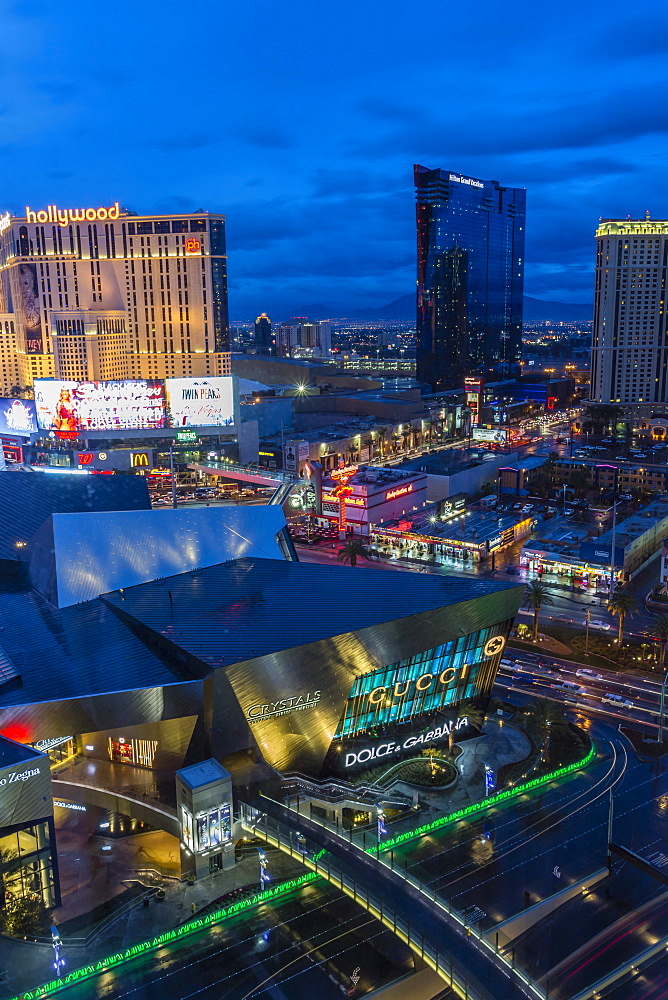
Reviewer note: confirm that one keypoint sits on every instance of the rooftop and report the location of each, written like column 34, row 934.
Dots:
column 474, row 527
column 12, row 753
column 204, row 773
column 253, row 607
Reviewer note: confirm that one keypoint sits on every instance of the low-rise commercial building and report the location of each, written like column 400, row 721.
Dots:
column 575, row 559
column 435, row 535
column 371, row 495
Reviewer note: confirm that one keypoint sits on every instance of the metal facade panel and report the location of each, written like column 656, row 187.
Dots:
column 25, row 791
column 27, row 499
column 98, row 552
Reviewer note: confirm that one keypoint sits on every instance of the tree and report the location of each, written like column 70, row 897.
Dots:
column 535, row 596
column 25, row 915
column 548, row 719
column 622, row 603
column 660, row 632
column 353, row 550
column 578, row 480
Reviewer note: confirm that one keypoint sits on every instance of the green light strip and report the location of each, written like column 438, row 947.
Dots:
column 476, row 807
column 89, row 971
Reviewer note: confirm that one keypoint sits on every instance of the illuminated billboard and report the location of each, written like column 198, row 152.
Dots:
column 18, row 417
column 494, row 435
column 200, row 402
column 71, row 408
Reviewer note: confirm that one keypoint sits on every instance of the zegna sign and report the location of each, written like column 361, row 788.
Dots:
column 385, row 749
column 23, row 776
column 63, row 216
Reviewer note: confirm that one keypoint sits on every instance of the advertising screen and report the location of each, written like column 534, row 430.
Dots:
column 200, row 402
column 18, row 417
column 494, row 435
column 72, row 408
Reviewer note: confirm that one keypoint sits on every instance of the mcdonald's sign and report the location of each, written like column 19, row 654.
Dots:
column 139, row 459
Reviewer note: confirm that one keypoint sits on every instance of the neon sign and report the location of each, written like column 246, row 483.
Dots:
column 384, row 749
column 63, row 216
column 193, row 245
column 284, row 706
column 379, row 695
column 342, row 490
column 5, row 222
column 353, row 501
column 399, row 492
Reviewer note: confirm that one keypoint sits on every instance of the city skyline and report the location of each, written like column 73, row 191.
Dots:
column 315, row 181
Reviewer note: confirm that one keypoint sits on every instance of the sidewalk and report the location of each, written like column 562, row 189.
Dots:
column 30, row 965
column 501, row 743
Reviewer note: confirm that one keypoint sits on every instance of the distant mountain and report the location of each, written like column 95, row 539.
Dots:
column 540, row 310
column 535, row 311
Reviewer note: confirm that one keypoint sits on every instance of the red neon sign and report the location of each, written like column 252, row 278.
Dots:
column 193, row 245
column 399, row 492
column 84, row 458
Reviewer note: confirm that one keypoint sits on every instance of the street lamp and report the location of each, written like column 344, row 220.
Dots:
column 382, row 829
column 264, row 874
column 662, row 707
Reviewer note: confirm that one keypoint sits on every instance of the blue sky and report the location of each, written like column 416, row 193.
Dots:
column 302, row 122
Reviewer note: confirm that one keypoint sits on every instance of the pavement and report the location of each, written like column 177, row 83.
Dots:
column 501, row 743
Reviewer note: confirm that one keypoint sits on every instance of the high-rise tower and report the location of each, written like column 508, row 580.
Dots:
column 470, row 244
column 629, row 363
column 99, row 293
column 263, row 341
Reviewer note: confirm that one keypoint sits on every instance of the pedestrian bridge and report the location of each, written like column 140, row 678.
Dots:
column 461, row 955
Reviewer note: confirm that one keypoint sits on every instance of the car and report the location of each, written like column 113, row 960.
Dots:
column 526, row 509
column 568, row 512
column 567, row 686
column 588, row 675
column 562, row 621
column 617, row 700
column 516, row 506
column 603, row 626
column 625, row 496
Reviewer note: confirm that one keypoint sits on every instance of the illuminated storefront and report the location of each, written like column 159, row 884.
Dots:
column 28, row 856
column 428, row 682
column 361, row 496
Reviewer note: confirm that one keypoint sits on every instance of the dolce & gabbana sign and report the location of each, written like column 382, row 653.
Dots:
column 385, row 749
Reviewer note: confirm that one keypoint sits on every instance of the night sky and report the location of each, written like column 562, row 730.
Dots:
column 302, row 121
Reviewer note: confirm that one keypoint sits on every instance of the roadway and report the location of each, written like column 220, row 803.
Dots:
column 307, row 944
column 544, row 675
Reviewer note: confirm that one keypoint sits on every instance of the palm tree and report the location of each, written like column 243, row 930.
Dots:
column 353, row 550
column 535, row 596
column 622, row 603
column 660, row 632
column 548, row 718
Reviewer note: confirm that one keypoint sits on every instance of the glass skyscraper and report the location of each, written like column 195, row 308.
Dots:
column 470, row 243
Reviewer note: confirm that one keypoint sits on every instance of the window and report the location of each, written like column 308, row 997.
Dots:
column 161, row 227
column 198, row 225
column 179, row 225
column 144, row 227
